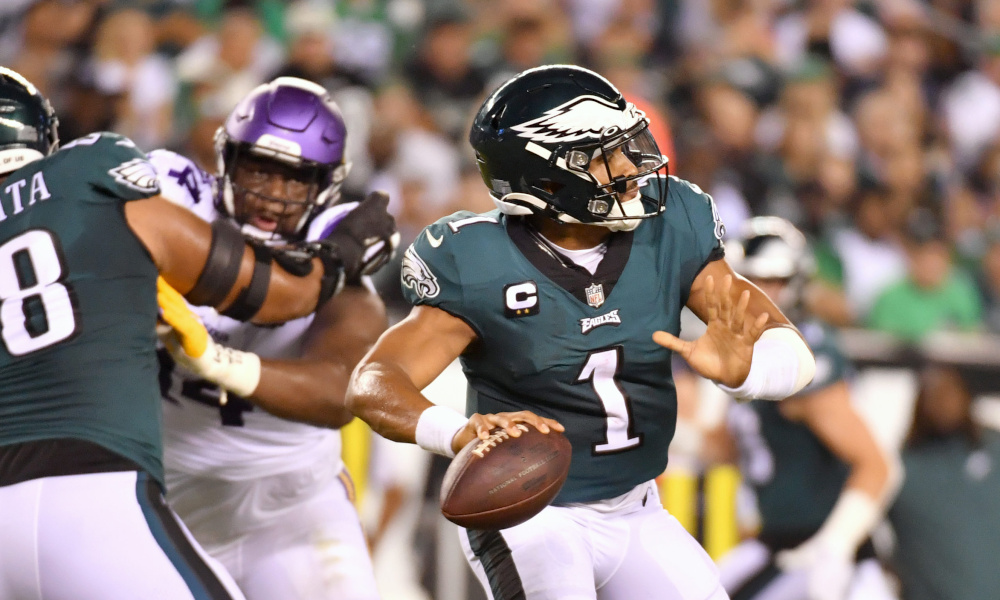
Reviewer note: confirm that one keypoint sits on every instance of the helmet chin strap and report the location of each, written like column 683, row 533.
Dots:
column 628, row 208
column 259, row 234
column 517, row 203
column 15, row 158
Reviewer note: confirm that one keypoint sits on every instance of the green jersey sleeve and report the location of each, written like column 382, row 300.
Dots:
column 831, row 364
column 694, row 216
column 111, row 165
column 430, row 273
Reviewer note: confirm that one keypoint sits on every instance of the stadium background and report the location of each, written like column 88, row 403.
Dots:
column 874, row 126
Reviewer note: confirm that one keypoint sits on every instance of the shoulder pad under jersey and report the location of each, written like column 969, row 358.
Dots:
column 430, row 271
column 181, row 180
column 110, row 163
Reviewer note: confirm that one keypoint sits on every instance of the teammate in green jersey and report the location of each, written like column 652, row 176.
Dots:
column 564, row 307
column 947, row 533
column 820, row 479
column 83, row 236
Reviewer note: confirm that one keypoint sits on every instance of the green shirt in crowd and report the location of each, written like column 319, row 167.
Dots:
column 905, row 310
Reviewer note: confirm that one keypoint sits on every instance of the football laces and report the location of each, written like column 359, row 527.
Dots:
column 495, row 438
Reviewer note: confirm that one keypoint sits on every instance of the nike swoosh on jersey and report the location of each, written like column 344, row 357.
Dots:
column 434, row 241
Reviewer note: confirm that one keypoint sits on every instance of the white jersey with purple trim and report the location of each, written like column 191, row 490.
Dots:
column 235, row 441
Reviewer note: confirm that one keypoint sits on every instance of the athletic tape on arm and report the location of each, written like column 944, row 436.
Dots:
column 781, row 366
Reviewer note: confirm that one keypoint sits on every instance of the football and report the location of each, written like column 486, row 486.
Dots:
column 503, row 481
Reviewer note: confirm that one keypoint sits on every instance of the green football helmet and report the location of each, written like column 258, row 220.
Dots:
column 28, row 126
column 538, row 136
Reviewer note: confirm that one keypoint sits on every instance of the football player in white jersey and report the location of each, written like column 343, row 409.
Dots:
column 252, row 451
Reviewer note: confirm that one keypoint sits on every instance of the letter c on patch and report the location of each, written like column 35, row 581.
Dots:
column 520, row 299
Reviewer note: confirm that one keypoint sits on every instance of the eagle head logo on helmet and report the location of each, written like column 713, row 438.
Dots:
column 544, row 141
column 583, row 117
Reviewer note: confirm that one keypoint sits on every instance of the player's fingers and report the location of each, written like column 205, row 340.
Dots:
column 758, row 326
column 481, row 424
column 711, row 301
column 672, row 342
column 726, row 299
column 538, row 422
column 508, row 421
column 553, row 424
column 740, row 314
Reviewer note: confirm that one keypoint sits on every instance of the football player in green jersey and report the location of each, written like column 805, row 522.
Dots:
column 820, row 478
column 83, row 237
column 947, row 533
column 564, row 305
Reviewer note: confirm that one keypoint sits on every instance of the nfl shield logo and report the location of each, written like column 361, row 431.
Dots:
column 595, row 295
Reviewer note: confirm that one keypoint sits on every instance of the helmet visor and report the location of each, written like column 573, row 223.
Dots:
column 617, row 166
column 639, row 148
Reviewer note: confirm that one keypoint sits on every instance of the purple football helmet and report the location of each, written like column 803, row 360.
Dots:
column 295, row 124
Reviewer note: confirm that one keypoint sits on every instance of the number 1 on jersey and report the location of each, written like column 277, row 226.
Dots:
column 600, row 370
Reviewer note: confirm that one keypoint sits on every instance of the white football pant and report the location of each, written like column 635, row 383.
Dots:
column 102, row 536
column 291, row 536
column 625, row 548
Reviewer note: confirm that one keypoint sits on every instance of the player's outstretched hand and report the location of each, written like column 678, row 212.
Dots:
column 723, row 353
column 366, row 237
column 480, row 426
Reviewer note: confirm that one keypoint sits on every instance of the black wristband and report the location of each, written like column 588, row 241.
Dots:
column 248, row 303
column 222, row 267
column 333, row 272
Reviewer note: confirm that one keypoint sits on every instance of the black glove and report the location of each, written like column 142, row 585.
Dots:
column 365, row 238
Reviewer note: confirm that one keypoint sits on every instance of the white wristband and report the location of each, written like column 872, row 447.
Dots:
column 781, row 366
column 437, row 427
column 853, row 517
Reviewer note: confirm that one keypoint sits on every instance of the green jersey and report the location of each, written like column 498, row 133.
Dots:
column 567, row 344
column 78, row 312
column 945, row 518
column 796, row 478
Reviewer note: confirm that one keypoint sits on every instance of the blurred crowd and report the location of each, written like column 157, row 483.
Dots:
column 872, row 125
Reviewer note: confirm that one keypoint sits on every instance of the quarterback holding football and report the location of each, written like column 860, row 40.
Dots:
column 565, row 302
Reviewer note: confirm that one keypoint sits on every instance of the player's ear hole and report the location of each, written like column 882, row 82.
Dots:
column 547, row 186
